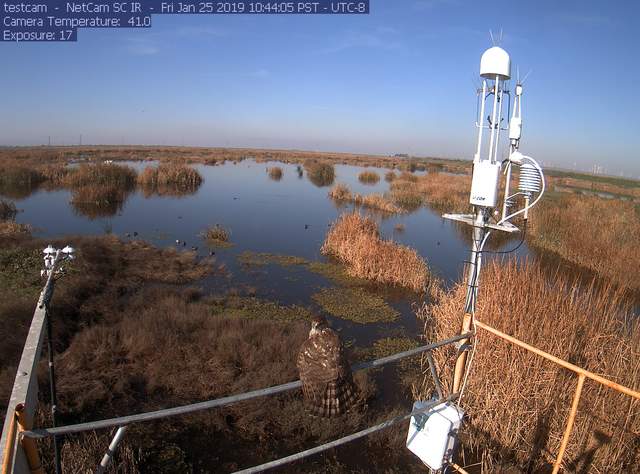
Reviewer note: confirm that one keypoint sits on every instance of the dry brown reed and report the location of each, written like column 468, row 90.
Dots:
column 369, row 177
column 217, row 235
column 518, row 402
column 101, row 174
column 390, row 176
column 319, row 172
column 275, row 173
column 95, row 201
column 440, row 191
column 341, row 192
column 13, row 229
column 172, row 179
column 36, row 156
column 599, row 234
column 7, row 210
column 355, row 240
column 377, row 202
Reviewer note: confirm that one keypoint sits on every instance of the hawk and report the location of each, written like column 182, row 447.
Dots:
column 327, row 383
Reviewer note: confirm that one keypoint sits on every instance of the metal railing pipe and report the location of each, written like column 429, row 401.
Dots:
column 220, row 402
column 570, row 421
column 346, row 439
column 568, row 365
column 111, row 450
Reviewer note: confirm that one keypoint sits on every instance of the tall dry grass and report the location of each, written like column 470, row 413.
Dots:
column 599, row 234
column 516, row 401
column 320, row 172
column 369, row 177
column 342, row 194
column 101, row 174
column 377, row 202
column 97, row 201
column 440, row 191
column 275, row 173
column 355, row 240
column 169, row 179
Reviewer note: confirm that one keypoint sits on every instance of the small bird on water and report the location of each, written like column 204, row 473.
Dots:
column 325, row 373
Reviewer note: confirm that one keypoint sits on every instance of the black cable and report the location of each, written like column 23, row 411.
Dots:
column 524, row 234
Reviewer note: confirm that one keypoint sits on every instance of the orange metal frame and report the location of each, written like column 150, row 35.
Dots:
column 582, row 375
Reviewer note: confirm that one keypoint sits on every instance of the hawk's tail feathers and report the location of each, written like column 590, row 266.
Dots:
column 338, row 398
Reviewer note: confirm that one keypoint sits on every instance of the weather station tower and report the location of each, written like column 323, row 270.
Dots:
column 432, row 437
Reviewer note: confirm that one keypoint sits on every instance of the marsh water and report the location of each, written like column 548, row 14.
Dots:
column 289, row 217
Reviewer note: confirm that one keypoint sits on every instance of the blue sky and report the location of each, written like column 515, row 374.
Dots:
column 400, row 80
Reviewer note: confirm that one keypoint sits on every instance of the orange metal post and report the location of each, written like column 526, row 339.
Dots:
column 8, row 450
column 570, row 421
column 28, row 444
column 460, row 469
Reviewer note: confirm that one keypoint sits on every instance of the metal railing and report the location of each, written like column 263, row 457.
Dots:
column 582, row 375
column 17, row 447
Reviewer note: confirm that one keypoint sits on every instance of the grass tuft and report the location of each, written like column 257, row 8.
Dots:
column 170, row 179
column 355, row 240
column 275, row 173
column 369, row 177
column 217, row 235
column 319, row 172
column 341, row 192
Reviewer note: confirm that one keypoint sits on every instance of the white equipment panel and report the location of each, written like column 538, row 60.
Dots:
column 432, row 434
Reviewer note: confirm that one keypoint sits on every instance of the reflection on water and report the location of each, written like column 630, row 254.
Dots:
column 289, row 217
column 169, row 189
column 95, row 202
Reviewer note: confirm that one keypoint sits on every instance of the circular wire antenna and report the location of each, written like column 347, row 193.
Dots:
column 495, row 62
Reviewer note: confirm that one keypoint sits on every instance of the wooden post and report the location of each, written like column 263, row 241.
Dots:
column 461, row 362
column 28, row 444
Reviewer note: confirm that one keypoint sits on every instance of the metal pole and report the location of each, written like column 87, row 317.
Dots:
column 434, row 374
column 7, row 463
column 52, row 371
column 52, row 390
column 479, row 232
column 106, row 460
column 570, row 420
column 481, row 121
column 28, row 444
column 494, row 117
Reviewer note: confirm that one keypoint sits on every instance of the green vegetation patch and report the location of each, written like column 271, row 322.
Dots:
column 355, row 304
column 257, row 308
column 254, row 258
column 335, row 272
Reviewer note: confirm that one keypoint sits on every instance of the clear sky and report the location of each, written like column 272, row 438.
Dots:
column 400, row 80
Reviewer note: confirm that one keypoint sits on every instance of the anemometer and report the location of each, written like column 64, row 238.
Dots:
column 432, row 434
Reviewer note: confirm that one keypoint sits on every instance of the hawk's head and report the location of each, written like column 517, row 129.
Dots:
column 318, row 323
